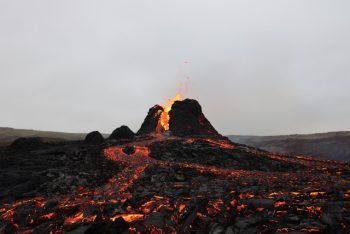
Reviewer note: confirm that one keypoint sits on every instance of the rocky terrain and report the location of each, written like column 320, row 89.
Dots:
column 51, row 169
column 156, row 182
column 331, row 146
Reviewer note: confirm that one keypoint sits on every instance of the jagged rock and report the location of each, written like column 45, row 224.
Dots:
column 103, row 227
column 157, row 219
column 293, row 219
column 94, row 138
column 187, row 118
column 217, row 229
column 97, row 227
column 123, row 132
column 119, row 226
column 327, row 219
column 261, row 203
column 150, row 123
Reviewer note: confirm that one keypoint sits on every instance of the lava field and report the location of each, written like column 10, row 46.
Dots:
column 185, row 182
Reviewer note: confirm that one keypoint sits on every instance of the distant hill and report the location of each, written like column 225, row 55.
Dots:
column 8, row 135
column 332, row 145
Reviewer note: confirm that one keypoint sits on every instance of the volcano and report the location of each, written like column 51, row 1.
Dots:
column 184, row 118
column 176, row 175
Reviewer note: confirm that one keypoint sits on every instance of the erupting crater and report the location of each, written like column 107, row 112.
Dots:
column 179, row 117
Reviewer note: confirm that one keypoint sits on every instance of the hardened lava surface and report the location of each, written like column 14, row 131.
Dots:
column 181, row 185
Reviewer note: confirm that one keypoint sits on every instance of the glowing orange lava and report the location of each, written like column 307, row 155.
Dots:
column 128, row 217
column 163, row 124
column 74, row 219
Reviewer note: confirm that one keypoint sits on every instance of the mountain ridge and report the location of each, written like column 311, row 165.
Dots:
column 330, row 145
column 8, row 135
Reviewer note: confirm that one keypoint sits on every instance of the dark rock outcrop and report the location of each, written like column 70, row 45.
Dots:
column 24, row 144
column 103, row 226
column 122, row 132
column 94, row 138
column 187, row 118
column 150, row 123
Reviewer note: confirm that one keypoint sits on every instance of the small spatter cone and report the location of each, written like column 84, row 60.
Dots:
column 93, row 138
column 151, row 122
column 123, row 132
column 187, row 118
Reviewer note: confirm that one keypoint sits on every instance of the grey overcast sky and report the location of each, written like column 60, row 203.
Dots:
column 257, row 67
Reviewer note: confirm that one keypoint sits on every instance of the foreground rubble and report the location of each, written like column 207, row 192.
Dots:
column 172, row 185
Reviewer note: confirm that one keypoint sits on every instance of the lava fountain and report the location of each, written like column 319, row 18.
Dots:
column 163, row 123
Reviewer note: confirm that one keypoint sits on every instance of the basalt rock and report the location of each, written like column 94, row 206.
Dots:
column 187, row 118
column 94, row 138
column 151, row 121
column 123, row 132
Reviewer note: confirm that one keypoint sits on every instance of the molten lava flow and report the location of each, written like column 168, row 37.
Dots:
column 128, row 217
column 163, row 124
column 74, row 219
